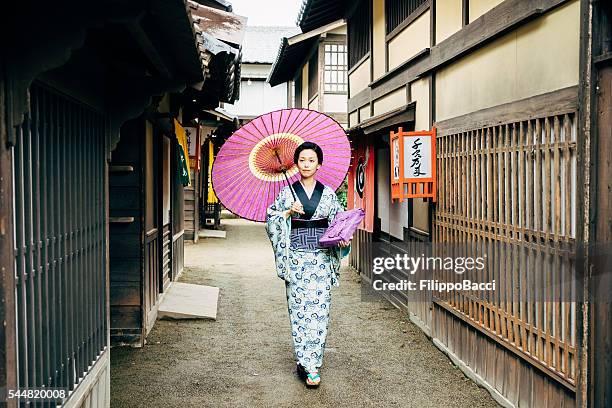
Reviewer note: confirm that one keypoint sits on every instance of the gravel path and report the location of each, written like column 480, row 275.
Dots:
column 374, row 356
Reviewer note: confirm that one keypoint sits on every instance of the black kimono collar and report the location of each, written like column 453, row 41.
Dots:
column 310, row 204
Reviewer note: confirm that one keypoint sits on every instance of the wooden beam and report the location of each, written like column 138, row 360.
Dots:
column 362, row 98
column 552, row 103
column 314, row 33
column 399, row 68
column 388, row 119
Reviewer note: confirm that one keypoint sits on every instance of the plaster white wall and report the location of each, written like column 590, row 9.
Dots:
column 334, row 103
column 258, row 98
column 390, row 101
column 410, row 41
column 449, row 18
column 359, row 78
column 539, row 57
column 479, row 7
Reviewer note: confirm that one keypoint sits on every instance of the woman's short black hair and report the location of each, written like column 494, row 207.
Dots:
column 311, row 146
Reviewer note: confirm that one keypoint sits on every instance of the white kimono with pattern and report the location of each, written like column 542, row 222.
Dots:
column 308, row 275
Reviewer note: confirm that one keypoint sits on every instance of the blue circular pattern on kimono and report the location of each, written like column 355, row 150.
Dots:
column 308, row 303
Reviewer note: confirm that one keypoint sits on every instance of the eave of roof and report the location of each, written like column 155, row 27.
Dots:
column 316, row 13
column 292, row 53
column 222, row 114
column 316, row 32
column 289, row 59
column 384, row 121
column 222, row 58
column 225, row 26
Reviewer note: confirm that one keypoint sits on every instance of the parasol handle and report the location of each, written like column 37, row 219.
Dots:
column 285, row 173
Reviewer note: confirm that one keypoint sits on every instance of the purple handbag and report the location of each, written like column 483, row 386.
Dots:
column 342, row 227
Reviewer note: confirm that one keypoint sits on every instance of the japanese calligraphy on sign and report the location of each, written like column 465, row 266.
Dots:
column 193, row 143
column 413, row 164
column 192, row 133
column 417, row 157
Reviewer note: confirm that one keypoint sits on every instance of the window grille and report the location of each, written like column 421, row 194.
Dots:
column 359, row 32
column 335, row 68
column 512, row 187
column 396, row 11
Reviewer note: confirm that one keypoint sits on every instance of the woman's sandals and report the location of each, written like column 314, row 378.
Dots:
column 312, row 379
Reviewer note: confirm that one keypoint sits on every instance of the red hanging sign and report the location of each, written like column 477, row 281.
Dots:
column 413, row 164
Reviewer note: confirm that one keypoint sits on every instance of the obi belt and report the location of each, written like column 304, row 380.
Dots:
column 305, row 234
column 305, row 231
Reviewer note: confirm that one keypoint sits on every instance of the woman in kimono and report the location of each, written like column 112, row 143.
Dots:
column 294, row 228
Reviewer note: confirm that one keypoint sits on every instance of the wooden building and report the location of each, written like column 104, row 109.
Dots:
column 146, row 223
column 313, row 64
column 223, row 33
column 73, row 197
column 152, row 212
column 522, row 163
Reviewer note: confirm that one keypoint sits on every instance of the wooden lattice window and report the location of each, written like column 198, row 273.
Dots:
column 512, row 189
column 359, row 32
column 335, row 68
column 396, row 11
column 61, row 241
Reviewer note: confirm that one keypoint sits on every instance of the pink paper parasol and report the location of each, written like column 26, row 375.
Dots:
column 247, row 174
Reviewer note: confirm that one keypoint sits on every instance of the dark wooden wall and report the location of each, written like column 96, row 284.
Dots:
column 360, row 256
column 126, row 182
column 510, row 376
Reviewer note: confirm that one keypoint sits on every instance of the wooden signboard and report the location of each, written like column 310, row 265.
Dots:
column 413, row 164
column 193, row 141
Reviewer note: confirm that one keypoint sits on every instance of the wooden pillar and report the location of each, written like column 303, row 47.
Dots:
column 8, row 340
column 593, row 221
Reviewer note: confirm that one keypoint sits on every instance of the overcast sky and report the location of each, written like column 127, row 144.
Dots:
column 268, row 12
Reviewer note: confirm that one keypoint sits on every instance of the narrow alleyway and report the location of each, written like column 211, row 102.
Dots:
column 374, row 356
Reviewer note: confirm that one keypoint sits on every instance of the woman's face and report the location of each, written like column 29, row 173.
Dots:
column 308, row 163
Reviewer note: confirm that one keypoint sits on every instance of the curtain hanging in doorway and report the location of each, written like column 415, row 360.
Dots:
column 182, row 159
column 360, row 192
column 212, row 198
